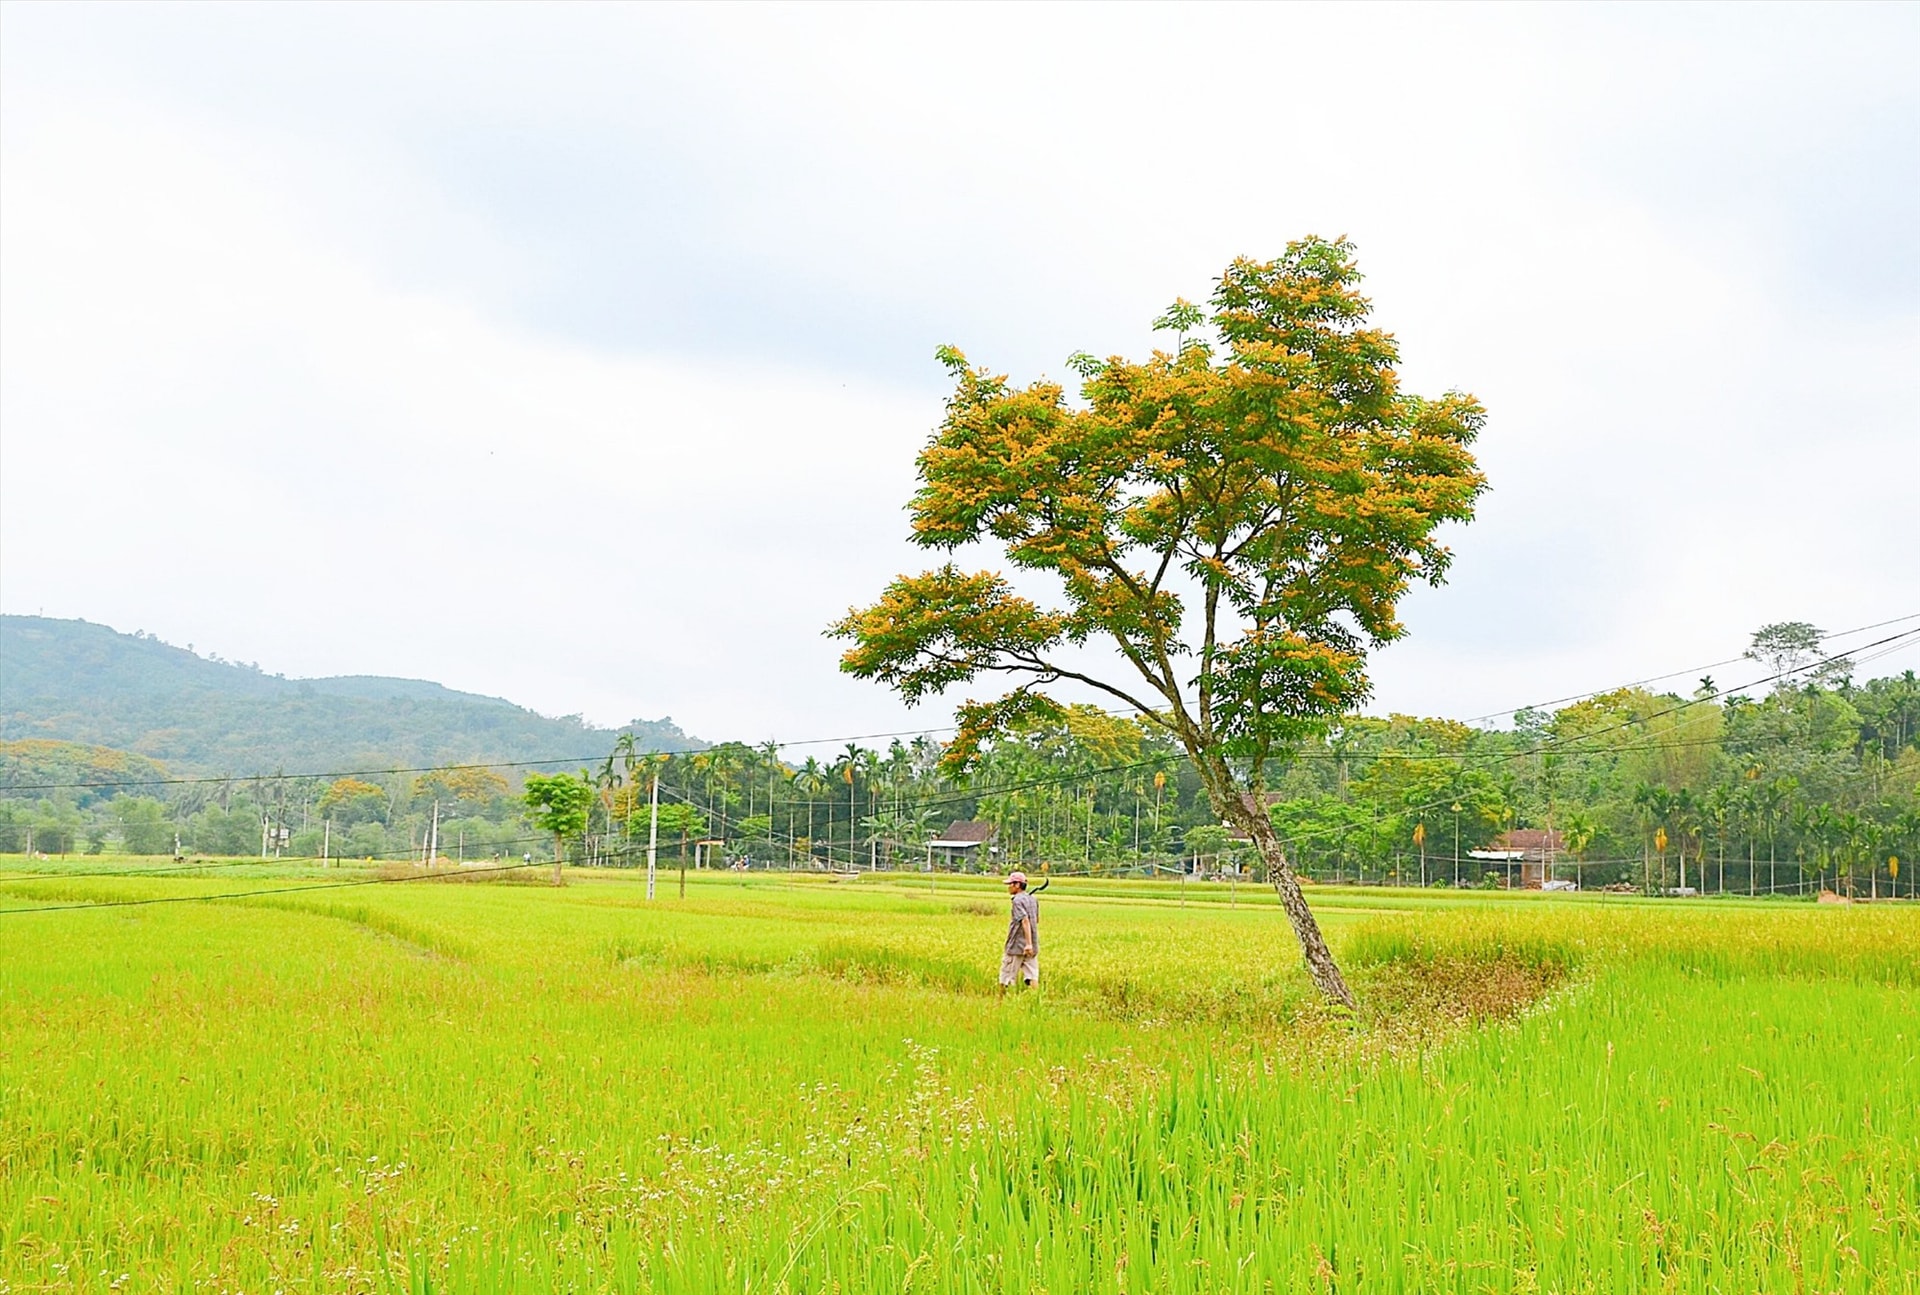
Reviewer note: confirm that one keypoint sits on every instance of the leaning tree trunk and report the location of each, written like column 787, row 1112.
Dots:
column 1313, row 945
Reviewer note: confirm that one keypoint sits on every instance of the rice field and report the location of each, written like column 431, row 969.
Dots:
column 794, row 1084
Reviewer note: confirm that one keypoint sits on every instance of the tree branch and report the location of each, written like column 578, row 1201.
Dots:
column 1041, row 666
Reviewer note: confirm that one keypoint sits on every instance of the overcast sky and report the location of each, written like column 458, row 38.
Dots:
column 579, row 355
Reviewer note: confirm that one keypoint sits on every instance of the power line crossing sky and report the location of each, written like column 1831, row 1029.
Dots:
column 620, row 321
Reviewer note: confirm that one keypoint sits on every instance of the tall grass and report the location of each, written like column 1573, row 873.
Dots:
column 802, row 1087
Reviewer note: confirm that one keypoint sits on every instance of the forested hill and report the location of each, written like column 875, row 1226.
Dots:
column 74, row 681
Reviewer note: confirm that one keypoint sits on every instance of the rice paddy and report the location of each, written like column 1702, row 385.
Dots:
column 790, row 1084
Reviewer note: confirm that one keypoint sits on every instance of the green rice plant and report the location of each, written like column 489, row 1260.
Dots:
column 801, row 1085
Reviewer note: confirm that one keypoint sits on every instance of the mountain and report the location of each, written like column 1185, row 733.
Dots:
column 74, row 681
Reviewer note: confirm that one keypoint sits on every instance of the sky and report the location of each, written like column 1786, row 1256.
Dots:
column 579, row 354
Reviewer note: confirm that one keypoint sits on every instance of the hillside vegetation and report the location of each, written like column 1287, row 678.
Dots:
column 74, row 681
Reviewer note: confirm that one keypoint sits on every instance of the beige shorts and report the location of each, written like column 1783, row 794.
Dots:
column 1028, row 969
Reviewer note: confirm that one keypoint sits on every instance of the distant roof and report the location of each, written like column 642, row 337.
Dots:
column 1529, row 838
column 967, row 831
column 1252, row 802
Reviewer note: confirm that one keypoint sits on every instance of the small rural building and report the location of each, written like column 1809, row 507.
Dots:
column 1527, row 853
column 1238, row 835
column 964, row 841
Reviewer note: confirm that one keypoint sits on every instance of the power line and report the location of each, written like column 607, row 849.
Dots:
column 1718, row 693
column 1169, row 757
column 1380, row 816
column 218, row 780
column 328, row 775
column 1678, row 674
column 1160, row 761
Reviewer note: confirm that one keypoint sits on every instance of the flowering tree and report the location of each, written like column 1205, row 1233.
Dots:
column 1237, row 519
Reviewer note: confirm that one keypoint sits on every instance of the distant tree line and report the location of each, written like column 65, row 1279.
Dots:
column 1811, row 784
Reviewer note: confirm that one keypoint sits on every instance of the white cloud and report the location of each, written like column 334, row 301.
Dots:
column 241, row 437
column 580, row 355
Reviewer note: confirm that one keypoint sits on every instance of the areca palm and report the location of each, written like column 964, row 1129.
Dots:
column 629, row 761
column 1716, row 808
column 1853, row 835
column 608, row 783
column 909, row 828
column 1745, row 806
column 899, row 768
column 868, row 765
column 1770, row 799
column 774, row 769
column 1906, row 833
column 1686, row 821
column 1655, row 805
column 1814, row 824
column 812, row 782
column 720, row 764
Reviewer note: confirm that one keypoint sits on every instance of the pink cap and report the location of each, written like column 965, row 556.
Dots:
column 1020, row 877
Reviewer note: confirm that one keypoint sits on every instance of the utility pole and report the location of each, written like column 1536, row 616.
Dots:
column 653, row 829
column 1546, row 849
column 433, row 836
column 326, row 840
column 1092, row 790
column 1456, row 845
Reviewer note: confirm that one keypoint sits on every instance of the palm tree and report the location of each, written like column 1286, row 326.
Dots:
column 1745, row 803
column 629, row 761
column 812, row 780
column 1815, row 823
column 1715, row 808
column 608, row 783
column 899, row 770
column 1771, row 798
column 1687, row 823
column 1577, row 831
column 1800, row 819
column 1850, row 832
column 848, row 768
column 1654, row 804
column 869, row 766
column 1872, row 837
column 907, row 828
column 768, row 765
column 1907, row 834
column 721, row 762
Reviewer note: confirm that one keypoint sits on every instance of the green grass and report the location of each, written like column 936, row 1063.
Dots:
column 802, row 1085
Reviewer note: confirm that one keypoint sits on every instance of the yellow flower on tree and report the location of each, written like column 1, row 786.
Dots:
column 1237, row 519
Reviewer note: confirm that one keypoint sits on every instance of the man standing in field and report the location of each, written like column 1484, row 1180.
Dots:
column 1023, row 937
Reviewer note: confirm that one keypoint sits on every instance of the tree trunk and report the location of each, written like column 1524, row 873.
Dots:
column 1313, row 946
column 558, row 855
